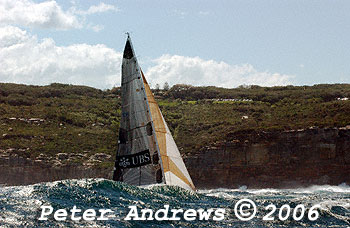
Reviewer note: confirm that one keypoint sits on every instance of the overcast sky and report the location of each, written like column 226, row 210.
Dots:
column 222, row 43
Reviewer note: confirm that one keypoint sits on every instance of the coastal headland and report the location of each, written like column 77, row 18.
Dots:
column 254, row 136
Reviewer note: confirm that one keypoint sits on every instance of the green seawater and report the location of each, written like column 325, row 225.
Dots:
column 20, row 205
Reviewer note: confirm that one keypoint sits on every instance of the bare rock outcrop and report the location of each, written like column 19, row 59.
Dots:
column 275, row 159
column 255, row 159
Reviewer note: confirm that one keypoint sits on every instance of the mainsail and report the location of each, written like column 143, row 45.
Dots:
column 147, row 153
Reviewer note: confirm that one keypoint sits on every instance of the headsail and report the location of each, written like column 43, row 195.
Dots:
column 174, row 169
column 147, row 152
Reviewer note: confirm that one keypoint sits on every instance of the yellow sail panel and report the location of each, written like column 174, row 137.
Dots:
column 156, row 118
column 172, row 163
column 177, row 172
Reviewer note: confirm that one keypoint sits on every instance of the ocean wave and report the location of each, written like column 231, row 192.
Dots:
column 21, row 204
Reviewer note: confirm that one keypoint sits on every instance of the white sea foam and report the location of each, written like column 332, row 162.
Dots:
column 20, row 191
column 342, row 188
column 328, row 204
column 263, row 191
column 150, row 186
column 231, row 193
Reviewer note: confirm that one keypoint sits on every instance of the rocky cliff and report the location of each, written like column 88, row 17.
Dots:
column 18, row 170
column 265, row 159
column 275, row 159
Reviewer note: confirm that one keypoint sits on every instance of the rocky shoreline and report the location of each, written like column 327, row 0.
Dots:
column 18, row 170
column 285, row 159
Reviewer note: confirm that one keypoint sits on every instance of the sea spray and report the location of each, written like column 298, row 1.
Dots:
column 20, row 205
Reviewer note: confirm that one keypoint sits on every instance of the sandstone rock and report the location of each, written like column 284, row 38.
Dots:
column 100, row 156
column 275, row 159
column 56, row 163
column 39, row 162
column 42, row 157
column 77, row 156
column 36, row 120
column 264, row 159
column 94, row 161
column 10, row 150
column 62, row 156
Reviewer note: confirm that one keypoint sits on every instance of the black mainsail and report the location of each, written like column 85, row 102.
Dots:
column 147, row 153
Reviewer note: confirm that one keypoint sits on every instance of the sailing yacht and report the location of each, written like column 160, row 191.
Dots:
column 147, row 153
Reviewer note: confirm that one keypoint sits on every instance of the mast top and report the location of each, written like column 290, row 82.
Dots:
column 128, row 50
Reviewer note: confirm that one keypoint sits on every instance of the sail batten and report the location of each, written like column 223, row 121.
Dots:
column 147, row 152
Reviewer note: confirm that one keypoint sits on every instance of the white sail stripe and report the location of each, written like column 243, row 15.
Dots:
column 174, row 154
column 177, row 159
column 176, row 181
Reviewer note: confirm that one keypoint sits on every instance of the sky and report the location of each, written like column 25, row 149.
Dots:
column 225, row 43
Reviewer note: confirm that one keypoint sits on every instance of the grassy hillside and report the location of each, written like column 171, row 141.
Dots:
column 43, row 121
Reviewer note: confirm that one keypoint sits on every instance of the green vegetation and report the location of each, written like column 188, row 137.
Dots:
column 83, row 120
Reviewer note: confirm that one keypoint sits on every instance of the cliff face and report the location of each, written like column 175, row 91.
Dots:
column 279, row 159
column 17, row 170
column 267, row 159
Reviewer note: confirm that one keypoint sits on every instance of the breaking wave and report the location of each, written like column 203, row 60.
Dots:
column 20, row 205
